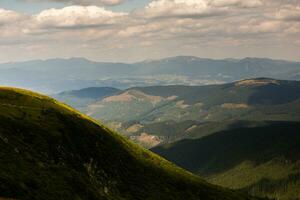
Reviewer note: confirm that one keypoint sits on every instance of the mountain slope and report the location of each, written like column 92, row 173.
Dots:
column 261, row 160
column 249, row 99
column 49, row 151
column 150, row 114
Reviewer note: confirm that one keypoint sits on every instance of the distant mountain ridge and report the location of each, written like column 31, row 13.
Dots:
column 56, row 75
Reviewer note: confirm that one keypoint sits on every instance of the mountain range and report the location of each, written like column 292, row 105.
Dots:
column 57, row 75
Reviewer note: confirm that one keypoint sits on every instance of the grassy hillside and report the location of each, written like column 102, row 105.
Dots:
column 262, row 160
column 49, row 151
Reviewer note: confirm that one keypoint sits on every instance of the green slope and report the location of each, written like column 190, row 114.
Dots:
column 262, row 160
column 49, row 151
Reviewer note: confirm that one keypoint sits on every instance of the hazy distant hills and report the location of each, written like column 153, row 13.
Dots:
column 81, row 98
column 91, row 93
column 56, row 75
column 158, row 114
column 228, row 69
column 262, row 160
column 49, row 151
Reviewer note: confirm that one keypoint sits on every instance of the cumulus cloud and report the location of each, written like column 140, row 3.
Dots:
column 181, row 8
column 76, row 17
column 196, row 8
column 85, row 2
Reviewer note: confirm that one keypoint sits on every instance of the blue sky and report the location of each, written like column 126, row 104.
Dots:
column 28, row 7
column 131, row 4
column 35, row 7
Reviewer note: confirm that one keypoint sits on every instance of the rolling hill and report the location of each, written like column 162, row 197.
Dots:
column 49, row 151
column 151, row 114
column 261, row 160
column 248, row 99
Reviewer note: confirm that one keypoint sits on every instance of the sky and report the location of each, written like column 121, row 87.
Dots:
column 135, row 30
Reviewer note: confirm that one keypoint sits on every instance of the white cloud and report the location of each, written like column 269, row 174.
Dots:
column 237, row 3
column 180, row 8
column 195, row 8
column 76, row 17
column 8, row 16
column 289, row 13
column 85, row 2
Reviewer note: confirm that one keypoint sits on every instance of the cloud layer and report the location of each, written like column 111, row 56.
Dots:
column 207, row 28
column 84, row 2
column 8, row 16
